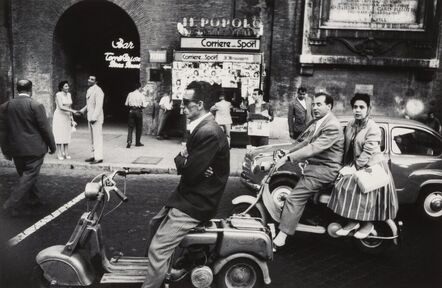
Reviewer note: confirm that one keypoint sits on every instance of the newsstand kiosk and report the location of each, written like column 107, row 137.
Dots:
column 234, row 64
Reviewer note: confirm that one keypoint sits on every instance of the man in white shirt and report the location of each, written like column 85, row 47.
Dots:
column 136, row 101
column 165, row 110
column 95, row 117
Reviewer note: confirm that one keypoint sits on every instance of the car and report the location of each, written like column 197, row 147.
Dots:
column 413, row 151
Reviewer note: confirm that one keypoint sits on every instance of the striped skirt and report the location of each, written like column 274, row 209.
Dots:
column 350, row 202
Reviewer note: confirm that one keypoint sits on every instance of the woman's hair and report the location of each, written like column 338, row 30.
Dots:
column 61, row 84
column 360, row 96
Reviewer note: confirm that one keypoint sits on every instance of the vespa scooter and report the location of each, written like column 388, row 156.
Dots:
column 269, row 207
column 232, row 252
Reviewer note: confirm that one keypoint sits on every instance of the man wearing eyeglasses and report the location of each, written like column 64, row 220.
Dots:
column 300, row 113
column 204, row 168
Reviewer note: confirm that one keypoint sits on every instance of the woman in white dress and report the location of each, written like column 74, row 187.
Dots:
column 63, row 121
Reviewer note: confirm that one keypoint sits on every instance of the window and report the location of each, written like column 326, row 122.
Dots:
column 415, row 142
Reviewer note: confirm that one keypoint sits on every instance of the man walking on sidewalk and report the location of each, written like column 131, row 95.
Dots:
column 95, row 117
column 204, row 169
column 26, row 138
column 136, row 101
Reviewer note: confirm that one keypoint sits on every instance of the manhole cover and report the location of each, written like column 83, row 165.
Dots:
column 147, row 160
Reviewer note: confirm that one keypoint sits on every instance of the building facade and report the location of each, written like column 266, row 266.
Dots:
column 389, row 49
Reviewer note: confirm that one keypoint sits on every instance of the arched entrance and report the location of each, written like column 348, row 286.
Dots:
column 97, row 37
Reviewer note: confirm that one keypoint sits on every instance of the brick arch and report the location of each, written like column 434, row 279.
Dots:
column 134, row 9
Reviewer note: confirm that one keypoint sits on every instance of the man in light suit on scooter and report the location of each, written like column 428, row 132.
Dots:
column 322, row 145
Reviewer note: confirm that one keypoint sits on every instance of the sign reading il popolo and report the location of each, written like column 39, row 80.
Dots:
column 216, row 57
column 220, row 43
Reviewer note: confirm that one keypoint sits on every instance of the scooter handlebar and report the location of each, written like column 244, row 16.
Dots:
column 133, row 172
column 120, row 194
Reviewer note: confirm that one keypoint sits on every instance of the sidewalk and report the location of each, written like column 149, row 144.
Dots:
column 156, row 156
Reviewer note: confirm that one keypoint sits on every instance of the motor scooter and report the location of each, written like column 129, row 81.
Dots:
column 317, row 217
column 231, row 252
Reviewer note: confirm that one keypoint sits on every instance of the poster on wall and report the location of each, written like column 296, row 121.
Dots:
column 194, row 66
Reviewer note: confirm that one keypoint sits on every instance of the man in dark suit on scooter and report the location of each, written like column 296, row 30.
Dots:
column 204, row 166
column 322, row 145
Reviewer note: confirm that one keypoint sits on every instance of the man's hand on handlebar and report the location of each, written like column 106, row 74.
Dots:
column 281, row 162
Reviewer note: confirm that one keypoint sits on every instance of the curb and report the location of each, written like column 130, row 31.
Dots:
column 104, row 167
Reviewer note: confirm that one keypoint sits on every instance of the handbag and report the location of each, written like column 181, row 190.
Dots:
column 372, row 178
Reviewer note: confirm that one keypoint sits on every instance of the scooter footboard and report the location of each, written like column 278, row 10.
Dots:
column 62, row 269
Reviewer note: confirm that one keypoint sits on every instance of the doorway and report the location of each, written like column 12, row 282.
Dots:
column 98, row 38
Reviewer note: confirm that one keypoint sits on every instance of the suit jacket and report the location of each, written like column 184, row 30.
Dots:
column 324, row 150
column 366, row 147
column 197, row 195
column 298, row 116
column 264, row 106
column 26, row 127
column 94, row 104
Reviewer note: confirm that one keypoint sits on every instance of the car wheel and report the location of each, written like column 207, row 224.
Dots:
column 254, row 212
column 430, row 204
column 240, row 273
column 280, row 187
column 375, row 245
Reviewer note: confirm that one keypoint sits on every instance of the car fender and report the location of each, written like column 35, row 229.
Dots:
column 432, row 176
column 219, row 264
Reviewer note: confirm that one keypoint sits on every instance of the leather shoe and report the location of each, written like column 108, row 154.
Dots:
column 344, row 231
column 364, row 231
column 128, row 145
column 278, row 249
column 90, row 159
column 139, row 144
column 97, row 161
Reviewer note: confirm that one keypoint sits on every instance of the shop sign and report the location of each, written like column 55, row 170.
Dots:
column 158, row 56
column 122, row 60
column 220, row 43
column 222, row 22
column 217, row 57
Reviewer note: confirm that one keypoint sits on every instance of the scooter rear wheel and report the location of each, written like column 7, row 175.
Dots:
column 240, row 273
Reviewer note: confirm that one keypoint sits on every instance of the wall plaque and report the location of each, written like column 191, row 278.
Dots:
column 374, row 14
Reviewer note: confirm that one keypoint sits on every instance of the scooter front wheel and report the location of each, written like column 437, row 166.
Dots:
column 39, row 281
column 253, row 212
column 373, row 245
column 240, row 273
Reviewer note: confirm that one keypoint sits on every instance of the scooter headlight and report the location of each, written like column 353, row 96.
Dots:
column 202, row 277
column 91, row 190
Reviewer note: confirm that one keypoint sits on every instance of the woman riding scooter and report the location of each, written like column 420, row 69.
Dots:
column 362, row 149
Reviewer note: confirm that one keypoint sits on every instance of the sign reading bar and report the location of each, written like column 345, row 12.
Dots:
column 123, row 60
column 217, row 57
column 220, row 43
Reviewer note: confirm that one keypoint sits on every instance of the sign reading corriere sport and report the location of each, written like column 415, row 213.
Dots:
column 220, row 43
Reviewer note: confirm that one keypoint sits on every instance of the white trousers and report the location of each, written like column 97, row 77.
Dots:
column 96, row 130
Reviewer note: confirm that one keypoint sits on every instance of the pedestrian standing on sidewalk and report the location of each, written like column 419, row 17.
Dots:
column 204, row 168
column 222, row 114
column 95, row 118
column 63, row 121
column 136, row 101
column 27, row 136
column 299, row 113
column 165, row 111
column 259, row 112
